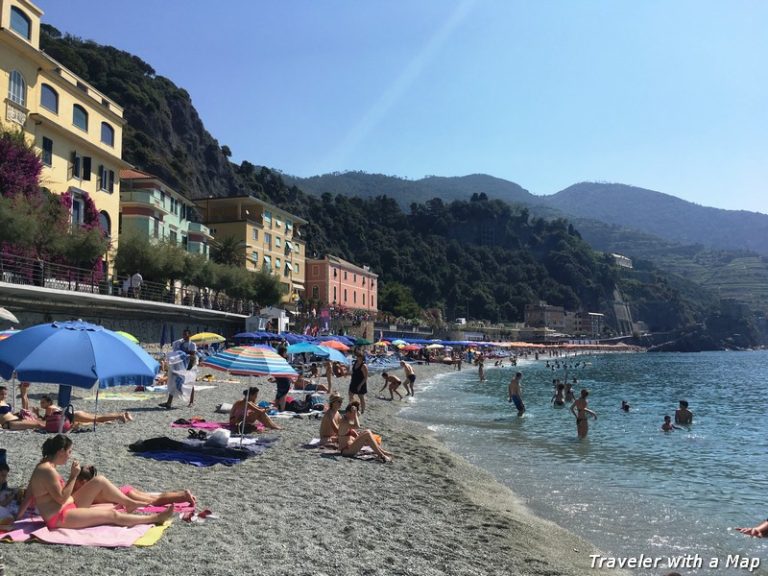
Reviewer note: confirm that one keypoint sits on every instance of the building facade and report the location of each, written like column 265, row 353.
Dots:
column 543, row 315
column 149, row 208
column 270, row 237
column 332, row 281
column 77, row 130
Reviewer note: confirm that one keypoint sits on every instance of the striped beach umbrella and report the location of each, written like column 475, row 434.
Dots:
column 250, row 361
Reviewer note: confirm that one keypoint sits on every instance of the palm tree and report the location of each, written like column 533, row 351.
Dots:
column 229, row 251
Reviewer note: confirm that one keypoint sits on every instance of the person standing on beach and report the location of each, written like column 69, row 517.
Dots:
column 358, row 382
column 282, row 383
column 410, row 377
column 683, row 416
column 515, row 394
column 184, row 344
column 580, row 410
column 481, row 368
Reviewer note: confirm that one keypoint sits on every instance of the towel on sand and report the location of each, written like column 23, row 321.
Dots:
column 202, row 425
column 196, row 453
column 34, row 528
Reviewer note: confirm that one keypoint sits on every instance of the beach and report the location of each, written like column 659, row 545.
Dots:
column 293, row 510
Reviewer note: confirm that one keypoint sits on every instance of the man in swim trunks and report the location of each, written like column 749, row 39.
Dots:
column 410, row 377
column 515, row 394
column 393, row 383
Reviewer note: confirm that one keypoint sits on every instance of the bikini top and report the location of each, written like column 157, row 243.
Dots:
column 5, row 409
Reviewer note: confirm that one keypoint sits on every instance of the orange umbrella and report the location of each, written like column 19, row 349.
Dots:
column 336, row 345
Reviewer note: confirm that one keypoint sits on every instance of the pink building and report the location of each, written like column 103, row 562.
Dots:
column 336, row 282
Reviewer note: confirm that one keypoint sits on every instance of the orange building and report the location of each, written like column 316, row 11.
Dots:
column 336, row 282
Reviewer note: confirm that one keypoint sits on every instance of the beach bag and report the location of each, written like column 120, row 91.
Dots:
column 60, row 421
column 219, row 438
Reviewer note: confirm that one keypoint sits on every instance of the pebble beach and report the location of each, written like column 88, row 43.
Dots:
column 301, row 511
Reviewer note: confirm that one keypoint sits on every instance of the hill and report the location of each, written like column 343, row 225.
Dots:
column 664, row 216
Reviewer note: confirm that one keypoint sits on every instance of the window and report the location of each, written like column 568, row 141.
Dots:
column 20, row 23
column 354, row 297
column 155, row 227
column 345, row 276
column 255, row 257
column 106, row 179
column 80, row 117
column 372, row 304
column 105, row 223
column 334, row 294
column 278, row 264
column 354, row 278
column 363, row 298
column 107, row 134
column 277, row 242
column 267, row 263
column 173, row 237
column 345, row 294
column 47, row 156
column 49, row 98
column 255, row 234
column 315, row 293
column 296, row 268
column 267, row 238
column 288, row 225
column 17, row 88
column 77, row 212
column 268, row 218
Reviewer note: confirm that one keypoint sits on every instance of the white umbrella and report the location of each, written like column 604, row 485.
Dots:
column 6, row 314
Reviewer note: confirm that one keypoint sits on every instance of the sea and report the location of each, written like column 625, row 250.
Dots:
column 629, row 488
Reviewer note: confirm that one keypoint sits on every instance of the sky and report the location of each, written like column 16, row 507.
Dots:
column 661, row 94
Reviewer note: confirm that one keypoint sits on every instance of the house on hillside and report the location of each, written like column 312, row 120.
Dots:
column 151, row 209
column 270, row 236
column 77, row 130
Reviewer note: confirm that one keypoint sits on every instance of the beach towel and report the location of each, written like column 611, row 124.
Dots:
column 199, row 424
column 34, row 529
column 196, row 453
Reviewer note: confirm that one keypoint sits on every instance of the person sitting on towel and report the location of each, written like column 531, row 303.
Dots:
column 244, row 418
column 88, row 473
column 351, row 440
column 61, row 506
column 329, row 425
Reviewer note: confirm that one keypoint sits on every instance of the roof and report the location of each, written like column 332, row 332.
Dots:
column 344, row 264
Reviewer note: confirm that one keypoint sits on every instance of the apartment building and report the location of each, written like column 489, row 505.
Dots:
column 333, row 281
column 76, row 129
column 153, row 210
column 270, row 237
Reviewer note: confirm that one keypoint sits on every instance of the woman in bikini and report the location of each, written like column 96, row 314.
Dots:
column 51, row 414
column 61, row 506
column 329, row 425
column 352, row 440
column 24, row 420
column 242, row 417
column 580, row 410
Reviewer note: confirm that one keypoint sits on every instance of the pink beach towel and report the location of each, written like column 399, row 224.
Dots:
column 202, row 425
column 98, row 536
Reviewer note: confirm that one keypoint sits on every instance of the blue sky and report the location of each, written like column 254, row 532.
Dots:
column 666, row 95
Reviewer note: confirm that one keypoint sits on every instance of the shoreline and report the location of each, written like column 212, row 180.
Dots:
column 295, row 511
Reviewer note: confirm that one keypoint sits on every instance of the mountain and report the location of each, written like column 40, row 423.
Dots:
column 665, row 216
column 406, row 192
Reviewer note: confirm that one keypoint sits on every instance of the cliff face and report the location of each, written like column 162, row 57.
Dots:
column 164, row 134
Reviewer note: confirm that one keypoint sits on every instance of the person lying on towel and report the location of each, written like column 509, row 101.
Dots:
column 352, row 440
column 88, row 473
column 52, row 414
column 61, row 506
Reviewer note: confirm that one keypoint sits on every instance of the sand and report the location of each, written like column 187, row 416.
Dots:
column 295, row 511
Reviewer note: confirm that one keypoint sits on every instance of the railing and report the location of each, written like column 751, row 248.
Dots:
column 23, row 270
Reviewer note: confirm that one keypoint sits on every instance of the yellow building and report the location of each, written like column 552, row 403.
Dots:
column 77, row 130
column 270, row 237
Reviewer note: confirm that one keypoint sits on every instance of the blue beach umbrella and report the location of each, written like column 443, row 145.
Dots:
column 336, row 355
column 307, row 348
column 77, row 354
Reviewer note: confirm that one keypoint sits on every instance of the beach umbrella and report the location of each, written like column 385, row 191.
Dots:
column 398, row 342
column 91, row 353
column 382, row 343
column 250, row 361
column 207, row 338
column 434, row 346
column 410, row 347
column 130, row 337
column 308, row 348
column 6, row 314
column 362, row 342
column 336, row 345
column 336, row 356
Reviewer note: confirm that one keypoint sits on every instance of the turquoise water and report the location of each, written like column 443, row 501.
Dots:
column 629, row 488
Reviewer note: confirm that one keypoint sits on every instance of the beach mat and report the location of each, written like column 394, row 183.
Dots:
column 199, row 424
column 196, row 453
column 34, row 529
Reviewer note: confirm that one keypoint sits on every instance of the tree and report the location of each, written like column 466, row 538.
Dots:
column 228, row 250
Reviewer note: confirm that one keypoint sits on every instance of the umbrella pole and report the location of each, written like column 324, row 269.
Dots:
column 245, row 411
column 13, row 389
column 96, row 410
